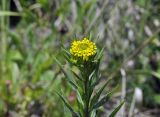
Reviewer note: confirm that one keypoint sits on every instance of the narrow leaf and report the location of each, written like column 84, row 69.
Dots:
column 116, row 109
column 104, row 99
column 9, row 13
column 66, row 53
column 78, row 77
column 80, row 98
column 97, row 95
column 67, row 104
column 99, row 55
column 64, row 49
column 97, row 75
column 92, row 75
column 68, row 77
column 156, row 74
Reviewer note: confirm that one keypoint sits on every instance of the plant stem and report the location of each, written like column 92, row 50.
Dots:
column 3, row 41
column 86, row 109
column 86, row 93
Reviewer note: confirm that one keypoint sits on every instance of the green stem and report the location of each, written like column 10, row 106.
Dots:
column 86, row 109
column 86, row 92
column 4, row 24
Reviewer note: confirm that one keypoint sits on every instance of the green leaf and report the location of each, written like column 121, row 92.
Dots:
column 66, row 54
column 68, row 76
column 104, row 99
column 2, row 104
column 157, row 98
column 97, row 95
column 100, row 54
column 80, row 98
column 97, row 75
column 78, row 77
column 91, row 75
column 9, row 13
column 65, row 50
column 42, row 67
column 116, row 109
column 156, row 74
column 44, row 3
column 96, row 82
column 67, row 105
column 141, row 3
column 16, row 39
column 15, row 55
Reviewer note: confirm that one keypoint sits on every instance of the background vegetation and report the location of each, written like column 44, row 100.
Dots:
column 31, row 34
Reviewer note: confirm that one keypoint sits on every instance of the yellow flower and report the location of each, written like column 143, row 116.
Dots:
column 83, row 49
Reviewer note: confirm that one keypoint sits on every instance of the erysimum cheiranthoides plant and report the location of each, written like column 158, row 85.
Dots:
column 86, row 57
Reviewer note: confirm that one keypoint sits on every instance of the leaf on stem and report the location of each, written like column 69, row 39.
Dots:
column 68, row 76
column 67, row 105
column 76, row 75
column 156, row 74
column 100, row 54
column 116, row 109
column 80, row 99
column 104, row 99
column 66, row 54
column 92, row 75
column 9, row 13
column 97, row 95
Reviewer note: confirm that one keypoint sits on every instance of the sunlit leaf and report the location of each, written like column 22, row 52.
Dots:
column 156, row 74
column 9, row 13
column 14, row 55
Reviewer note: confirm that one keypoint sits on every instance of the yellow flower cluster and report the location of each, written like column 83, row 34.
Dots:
column 83, row 49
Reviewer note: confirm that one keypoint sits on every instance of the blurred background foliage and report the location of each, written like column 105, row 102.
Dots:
column 31, row 38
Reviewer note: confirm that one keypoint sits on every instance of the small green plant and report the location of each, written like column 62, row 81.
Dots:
column 86, row 57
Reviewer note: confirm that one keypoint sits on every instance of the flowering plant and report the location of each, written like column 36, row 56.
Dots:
column 86, row 57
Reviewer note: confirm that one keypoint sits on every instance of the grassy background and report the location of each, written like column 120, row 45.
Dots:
column 31, row 35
